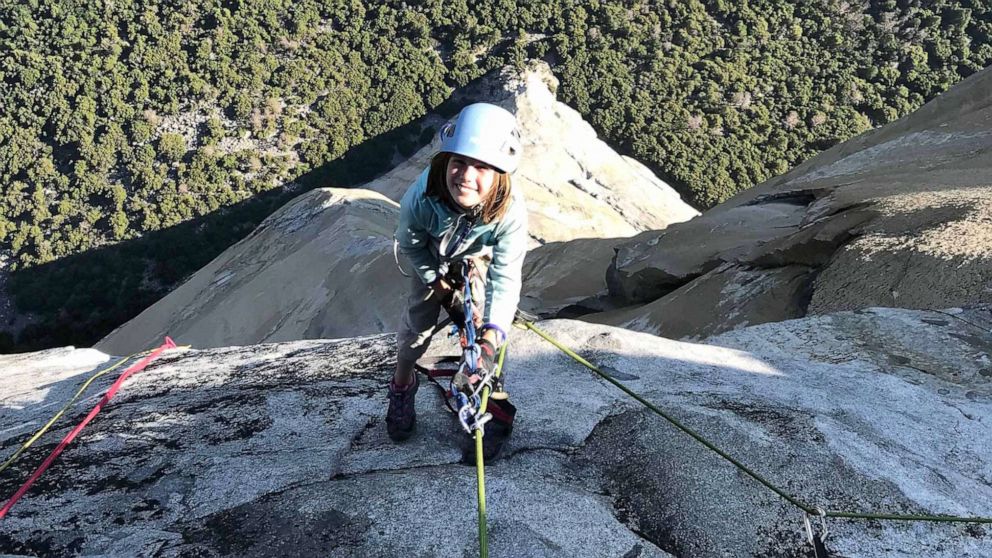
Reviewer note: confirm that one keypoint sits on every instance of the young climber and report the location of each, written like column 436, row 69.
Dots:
column 461, row 207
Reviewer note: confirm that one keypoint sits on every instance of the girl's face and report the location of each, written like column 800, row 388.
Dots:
column 469, row 180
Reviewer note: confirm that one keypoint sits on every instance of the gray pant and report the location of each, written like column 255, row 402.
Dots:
column 413, row 337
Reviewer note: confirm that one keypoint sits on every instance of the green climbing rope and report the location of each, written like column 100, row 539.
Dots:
column 480, row 466
column 810, row 510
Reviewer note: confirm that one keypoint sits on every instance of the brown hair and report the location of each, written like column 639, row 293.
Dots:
column 493, row 207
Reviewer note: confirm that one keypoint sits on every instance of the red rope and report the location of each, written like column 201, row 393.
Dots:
column 140, row 365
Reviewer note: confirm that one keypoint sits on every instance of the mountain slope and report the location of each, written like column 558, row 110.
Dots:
column 322, row 266
column 900, row 216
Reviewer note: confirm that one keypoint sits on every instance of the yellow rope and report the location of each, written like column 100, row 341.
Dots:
column 65, row 408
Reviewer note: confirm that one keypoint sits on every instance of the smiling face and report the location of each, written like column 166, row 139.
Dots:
column 469, row 181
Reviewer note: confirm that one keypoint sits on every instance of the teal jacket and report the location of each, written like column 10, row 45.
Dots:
column 425, row 230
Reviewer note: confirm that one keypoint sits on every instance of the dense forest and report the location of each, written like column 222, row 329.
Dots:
column 129, row 127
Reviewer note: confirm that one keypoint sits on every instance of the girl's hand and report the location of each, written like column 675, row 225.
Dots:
column 450, row 299
column 487, row 356
column 490, row 335
column 453, row 303
column 444, row 293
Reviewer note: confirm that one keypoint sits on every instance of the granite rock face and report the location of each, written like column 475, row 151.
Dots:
column 323, row 266
column 305, row 272
column 900, row 216
column 281, row 448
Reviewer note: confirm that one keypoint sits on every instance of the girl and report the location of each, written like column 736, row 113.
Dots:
column 461, row 207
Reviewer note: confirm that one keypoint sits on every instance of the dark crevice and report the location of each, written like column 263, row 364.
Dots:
column 859, row 206
column 568, row 452
column 803, row 247
column 984, row 330
column 650, row 284
column 800, row 198
column 589, row 305
column 367, row 472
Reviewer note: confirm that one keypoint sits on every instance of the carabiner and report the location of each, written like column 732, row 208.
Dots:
column 817, row 539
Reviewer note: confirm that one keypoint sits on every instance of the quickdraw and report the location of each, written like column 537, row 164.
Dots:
column 466, row 385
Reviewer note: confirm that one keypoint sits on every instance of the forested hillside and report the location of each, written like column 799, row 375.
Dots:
column 122, row 118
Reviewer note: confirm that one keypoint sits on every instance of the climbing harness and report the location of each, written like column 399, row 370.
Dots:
column 467, row 383
column 815, row 538
column 140, row 365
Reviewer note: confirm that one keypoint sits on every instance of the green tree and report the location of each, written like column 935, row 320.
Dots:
column 172, row 147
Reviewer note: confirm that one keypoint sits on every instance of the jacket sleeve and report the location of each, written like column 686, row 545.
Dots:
column 506, row 268
column 412, row 236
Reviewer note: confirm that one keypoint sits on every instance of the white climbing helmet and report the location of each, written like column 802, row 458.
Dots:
column 485, row 132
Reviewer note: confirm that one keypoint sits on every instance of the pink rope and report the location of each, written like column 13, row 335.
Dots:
column 140, row 365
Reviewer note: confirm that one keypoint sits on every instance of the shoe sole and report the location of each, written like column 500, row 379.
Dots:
column 401, row 435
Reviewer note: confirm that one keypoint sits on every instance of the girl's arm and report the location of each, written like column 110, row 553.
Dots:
column 412, row 235
column 503, row 287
